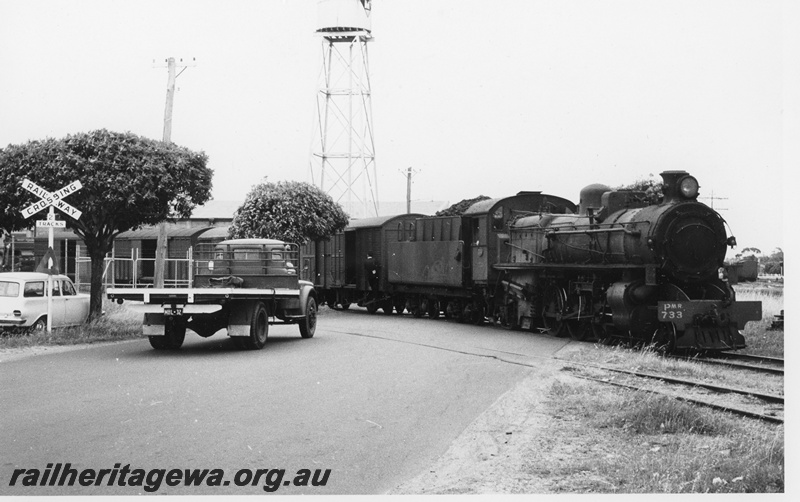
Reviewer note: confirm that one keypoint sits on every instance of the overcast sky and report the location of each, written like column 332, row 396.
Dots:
column 479, row 97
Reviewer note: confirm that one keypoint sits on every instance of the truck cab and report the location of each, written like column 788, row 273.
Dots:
column 258, row 263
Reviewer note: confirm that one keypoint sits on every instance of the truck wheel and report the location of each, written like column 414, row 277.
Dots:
column 259, row 328
column 174, row 334
column 308, row 325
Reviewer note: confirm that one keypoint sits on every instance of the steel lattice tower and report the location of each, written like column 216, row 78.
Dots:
column 343, row 152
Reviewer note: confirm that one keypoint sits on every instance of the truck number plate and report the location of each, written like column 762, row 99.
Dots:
column 668, row 311
column 170, row 311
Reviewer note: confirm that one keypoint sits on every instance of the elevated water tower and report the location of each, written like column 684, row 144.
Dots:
column 343, row 150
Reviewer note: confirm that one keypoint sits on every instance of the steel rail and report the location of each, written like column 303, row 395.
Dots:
column 730, row 364
column 752, row 357
column 737, row 411
column 770, row 398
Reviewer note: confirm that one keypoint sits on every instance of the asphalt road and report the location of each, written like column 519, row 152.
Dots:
column 373, row 398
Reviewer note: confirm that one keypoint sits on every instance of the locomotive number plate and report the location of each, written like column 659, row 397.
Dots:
column 671, row 311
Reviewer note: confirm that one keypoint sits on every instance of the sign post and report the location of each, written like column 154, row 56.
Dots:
column 51, row 200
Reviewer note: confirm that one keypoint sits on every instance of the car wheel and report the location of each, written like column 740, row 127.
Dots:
column 39, row 326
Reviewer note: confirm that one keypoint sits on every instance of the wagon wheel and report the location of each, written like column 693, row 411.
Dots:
column 433, row 309
column 387, row 306
column 473, row 313
column 447, row 310
column 399, row 305
column 554, row 302
column 421, row 308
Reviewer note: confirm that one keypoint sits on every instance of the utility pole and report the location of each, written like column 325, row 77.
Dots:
column 713, row 198
column 161, row 242
column 409, row 173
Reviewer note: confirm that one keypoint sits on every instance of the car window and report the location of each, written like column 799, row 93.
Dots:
column 9, row 289
column 56, row 288
column 33, row 289
column 67, row 289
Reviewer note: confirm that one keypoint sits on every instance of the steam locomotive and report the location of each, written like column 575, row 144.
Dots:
column 614, row 266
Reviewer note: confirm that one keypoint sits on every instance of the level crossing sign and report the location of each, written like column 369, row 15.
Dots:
column 50, row 200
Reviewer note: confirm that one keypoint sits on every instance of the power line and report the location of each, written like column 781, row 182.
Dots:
column 712, row 198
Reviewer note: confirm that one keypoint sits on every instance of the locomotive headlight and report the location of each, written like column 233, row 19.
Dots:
column 689, row 187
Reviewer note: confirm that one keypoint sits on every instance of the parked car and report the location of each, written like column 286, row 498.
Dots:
column 23, row 303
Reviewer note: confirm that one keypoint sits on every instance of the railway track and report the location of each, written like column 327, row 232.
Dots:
column 762, row 364
column 753, row 404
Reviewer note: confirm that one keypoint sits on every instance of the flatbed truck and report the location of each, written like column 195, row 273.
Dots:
column 241, row 285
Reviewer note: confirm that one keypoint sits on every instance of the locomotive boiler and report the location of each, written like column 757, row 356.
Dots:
column 622, row 267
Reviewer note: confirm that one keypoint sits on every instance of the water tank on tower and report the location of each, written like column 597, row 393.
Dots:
column 343, row 151
column 344, row 15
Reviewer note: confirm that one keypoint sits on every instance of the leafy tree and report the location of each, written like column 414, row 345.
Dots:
column 458, row 208
column 290, row 211
column 128, row 181
column 653, row 189
column 749, row 254
column 773, row 264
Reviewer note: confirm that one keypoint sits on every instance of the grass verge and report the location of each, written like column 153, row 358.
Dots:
column 646, row 443
column 118, row 323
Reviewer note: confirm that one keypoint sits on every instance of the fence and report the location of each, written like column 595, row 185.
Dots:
column 134, row 271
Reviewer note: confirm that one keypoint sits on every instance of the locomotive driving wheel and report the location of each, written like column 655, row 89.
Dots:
column 580, row 328
column 666, row 337
column 554, row 302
